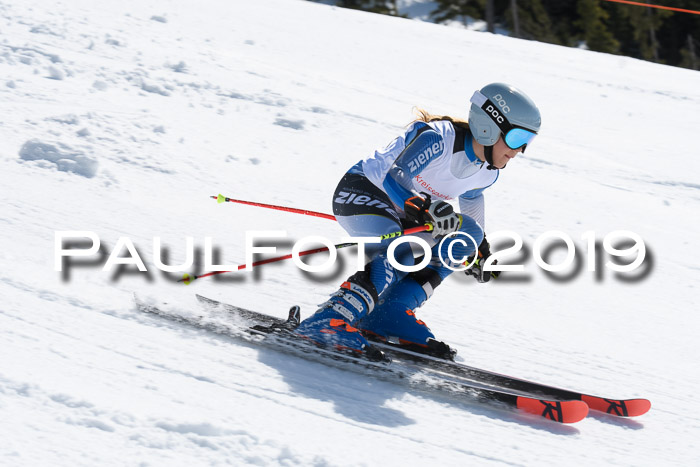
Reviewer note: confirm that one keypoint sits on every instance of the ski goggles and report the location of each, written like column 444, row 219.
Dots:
column 514, row 137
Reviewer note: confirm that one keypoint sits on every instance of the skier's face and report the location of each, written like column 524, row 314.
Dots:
column 502, row 153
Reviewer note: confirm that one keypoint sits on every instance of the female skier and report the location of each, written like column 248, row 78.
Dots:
column 408, row 183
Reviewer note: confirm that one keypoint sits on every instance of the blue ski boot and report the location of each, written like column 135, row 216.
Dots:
column 394, row 320
column 332, row 324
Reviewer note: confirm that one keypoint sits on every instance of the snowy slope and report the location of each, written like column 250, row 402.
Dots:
column 123, row 117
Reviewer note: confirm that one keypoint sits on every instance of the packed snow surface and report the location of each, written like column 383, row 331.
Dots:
column 122, row 118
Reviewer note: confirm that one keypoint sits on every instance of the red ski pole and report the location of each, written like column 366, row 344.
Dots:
column 222, row 199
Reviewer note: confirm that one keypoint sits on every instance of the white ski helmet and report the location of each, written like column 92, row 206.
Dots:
column 500, row 109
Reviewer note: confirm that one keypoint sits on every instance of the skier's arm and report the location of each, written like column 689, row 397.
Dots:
column 423, row 144
column 471, row 204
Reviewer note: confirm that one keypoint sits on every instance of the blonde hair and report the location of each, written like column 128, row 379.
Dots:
column 423, row 115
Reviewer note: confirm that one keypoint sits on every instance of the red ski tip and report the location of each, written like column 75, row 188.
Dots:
column 620, row 408
column 559, row 411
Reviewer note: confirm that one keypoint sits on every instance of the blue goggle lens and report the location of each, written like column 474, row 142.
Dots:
column 518, row 137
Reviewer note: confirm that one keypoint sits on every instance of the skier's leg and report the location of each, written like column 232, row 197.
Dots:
column 363, row 210
column 332, row 322
column 394, row 320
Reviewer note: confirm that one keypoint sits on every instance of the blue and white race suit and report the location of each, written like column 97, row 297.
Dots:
column 433, row 158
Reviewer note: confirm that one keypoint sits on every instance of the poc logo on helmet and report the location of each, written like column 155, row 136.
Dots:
column 495, row 113
column 501, row 103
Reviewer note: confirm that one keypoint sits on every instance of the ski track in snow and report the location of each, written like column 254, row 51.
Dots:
column 124, row 117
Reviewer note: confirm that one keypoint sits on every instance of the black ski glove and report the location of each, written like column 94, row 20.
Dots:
column 477, row 269
column 441, row 214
